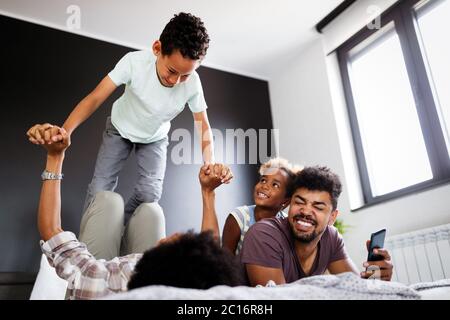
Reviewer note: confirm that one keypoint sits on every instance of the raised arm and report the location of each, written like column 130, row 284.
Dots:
column 205, row 133
column 70, row 258
column 211, row 176
column 49, row 214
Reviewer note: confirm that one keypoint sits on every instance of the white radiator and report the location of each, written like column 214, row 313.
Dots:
column 421, row 256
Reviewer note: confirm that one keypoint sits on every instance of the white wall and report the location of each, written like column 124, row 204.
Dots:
column 303, row 109
column 236, row 27
column 354, row 18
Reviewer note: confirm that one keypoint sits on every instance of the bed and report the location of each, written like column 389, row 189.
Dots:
column 345, row 286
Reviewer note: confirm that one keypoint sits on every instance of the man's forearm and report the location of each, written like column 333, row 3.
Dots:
column 344, row 265
column 209, row 219
column 49, row 216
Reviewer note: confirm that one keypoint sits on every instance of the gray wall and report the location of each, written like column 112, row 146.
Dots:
column 44, row 73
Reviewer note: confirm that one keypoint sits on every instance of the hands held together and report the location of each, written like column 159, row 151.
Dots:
column 213, row 175
column 53, row 138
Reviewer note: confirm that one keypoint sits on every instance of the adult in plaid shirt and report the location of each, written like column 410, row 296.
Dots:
column 203, row 265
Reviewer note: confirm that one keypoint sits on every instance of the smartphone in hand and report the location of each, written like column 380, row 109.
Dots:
column 376, row 242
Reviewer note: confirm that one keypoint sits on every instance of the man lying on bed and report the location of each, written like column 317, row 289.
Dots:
column 183, row 260
column 305, row 243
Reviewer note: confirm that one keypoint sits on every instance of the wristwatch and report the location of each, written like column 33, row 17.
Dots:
column 47, row 175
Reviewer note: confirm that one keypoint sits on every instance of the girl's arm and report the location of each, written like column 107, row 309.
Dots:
column 231, row 234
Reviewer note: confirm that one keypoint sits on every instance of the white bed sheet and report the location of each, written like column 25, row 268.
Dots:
column 49, row 286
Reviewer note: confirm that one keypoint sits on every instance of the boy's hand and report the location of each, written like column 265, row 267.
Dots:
column 36, row 134
column 44, row 134
column 53, row 138
column 225, row 174
column 213, row 175
column 384, row 267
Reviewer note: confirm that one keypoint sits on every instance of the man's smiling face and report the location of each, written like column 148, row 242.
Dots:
column 310, row 212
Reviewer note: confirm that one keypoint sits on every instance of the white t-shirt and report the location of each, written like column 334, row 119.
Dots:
column 144, row 111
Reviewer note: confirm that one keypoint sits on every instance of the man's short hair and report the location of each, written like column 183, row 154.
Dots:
column 186, row 33
column 320, row 178
column 195, row 260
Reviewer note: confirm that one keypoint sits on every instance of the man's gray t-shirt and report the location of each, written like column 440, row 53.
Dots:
column 270, row 243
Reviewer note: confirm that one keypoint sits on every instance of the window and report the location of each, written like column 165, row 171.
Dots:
column 396, row 81
column 437, row 51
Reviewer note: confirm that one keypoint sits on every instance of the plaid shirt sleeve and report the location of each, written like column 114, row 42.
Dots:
column 87, row 277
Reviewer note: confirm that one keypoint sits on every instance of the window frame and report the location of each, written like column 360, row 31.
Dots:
column 402, row 14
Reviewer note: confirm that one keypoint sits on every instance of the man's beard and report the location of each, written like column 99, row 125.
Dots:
column 304, row 237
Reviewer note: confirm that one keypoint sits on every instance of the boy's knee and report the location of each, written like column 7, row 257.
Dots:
column 150, row 193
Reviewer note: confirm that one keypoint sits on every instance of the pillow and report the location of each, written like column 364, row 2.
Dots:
column 48, row 286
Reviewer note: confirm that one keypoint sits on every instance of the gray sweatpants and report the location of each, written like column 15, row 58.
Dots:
column 112, row 155
column 102, row 227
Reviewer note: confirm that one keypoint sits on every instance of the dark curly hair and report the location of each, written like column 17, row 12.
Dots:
column 185, row 32
column 319, row 178
column 195, row 260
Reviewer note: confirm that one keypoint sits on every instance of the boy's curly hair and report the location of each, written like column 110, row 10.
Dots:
column 195, row 260
column 320, row 178
column 185, row 32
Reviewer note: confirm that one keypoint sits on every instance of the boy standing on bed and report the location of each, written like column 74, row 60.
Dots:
column 158, row 85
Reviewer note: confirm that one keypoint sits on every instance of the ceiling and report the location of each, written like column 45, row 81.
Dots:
column 249, row 37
